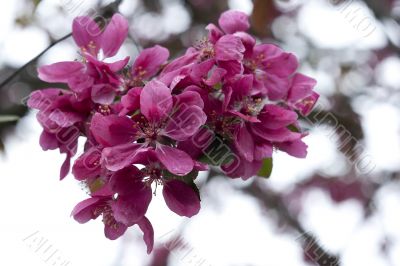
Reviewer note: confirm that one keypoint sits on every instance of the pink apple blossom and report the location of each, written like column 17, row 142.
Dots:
column 227, row 102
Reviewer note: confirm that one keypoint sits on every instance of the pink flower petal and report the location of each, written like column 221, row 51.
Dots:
column 214, row 33
column 242, row 87
column 81, row 85
column 194, row 146
column 248, row 42
column 283, row 65
column 131, row 101
column 266, row 52
column 301, row 87
column 175, row 160
column 306, row 105
column 129, row 209
column 118, row 65
column 296, row 148
column 66, row 166
column 64, row 118
column 274, row 135
column 103, row 94
column 115, row 230
column 179, row 63
column 244, row 143
column 87, row 165
column 60, row 72
column 185, row 122
column 188, row 98
column 233, row 21
column 112, row 130
column 114, row 35
column 242, row 168
column 201, row 70
column 48, row 141
column 215, row 77
column 248, row 118
column 42, row 99
column 232, row 67
column 84, row 210
column 277, row 87
column 262, row 151
column 121, row 156
column 148, row 233
column 228, row 48
column 181, row 198
column 155, row 101
column 149, row 62
column 127, row 181
column 86, row 34
column 275, row 117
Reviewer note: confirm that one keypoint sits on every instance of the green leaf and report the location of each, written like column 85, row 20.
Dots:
column 95, row 185
column 218, row 86
column 293, row 128
column 207, row 160
column 8, row 118
column 193, row 185
column 188, row 179
column 266, row 168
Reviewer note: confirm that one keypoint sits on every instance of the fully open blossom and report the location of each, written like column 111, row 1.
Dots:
column 159, row 124
column 106, row 206
column 131, row 183
column 92, row 77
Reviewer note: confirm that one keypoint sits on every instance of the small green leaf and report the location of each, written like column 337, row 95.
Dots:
column 188, row 179
column 8, row 118
column 266, row 168
column 218, row 86
column 293, row 128
column 207, row 160
column 95, row 185
column 193, row 185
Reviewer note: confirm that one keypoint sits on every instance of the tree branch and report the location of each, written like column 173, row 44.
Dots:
column 22, row 68
column 106, row 11
column 313, row 250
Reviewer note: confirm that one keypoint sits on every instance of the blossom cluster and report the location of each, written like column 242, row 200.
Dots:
column 227, row 102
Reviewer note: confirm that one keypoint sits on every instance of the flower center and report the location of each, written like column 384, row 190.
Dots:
column 223, row 125
column 153, row 174
column 254, row 63
column 91, row 49
column 104, row 109
column 108, row 217
column 148, row 132
column 249, row 106
column 206, row 49
column 137, row 80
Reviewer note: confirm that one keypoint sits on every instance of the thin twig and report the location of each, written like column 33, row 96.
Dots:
column 22, row 68
column 314, row 250
column 138, row 47
column 111, row 8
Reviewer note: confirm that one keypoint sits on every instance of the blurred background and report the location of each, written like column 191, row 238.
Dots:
column 340, row 206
